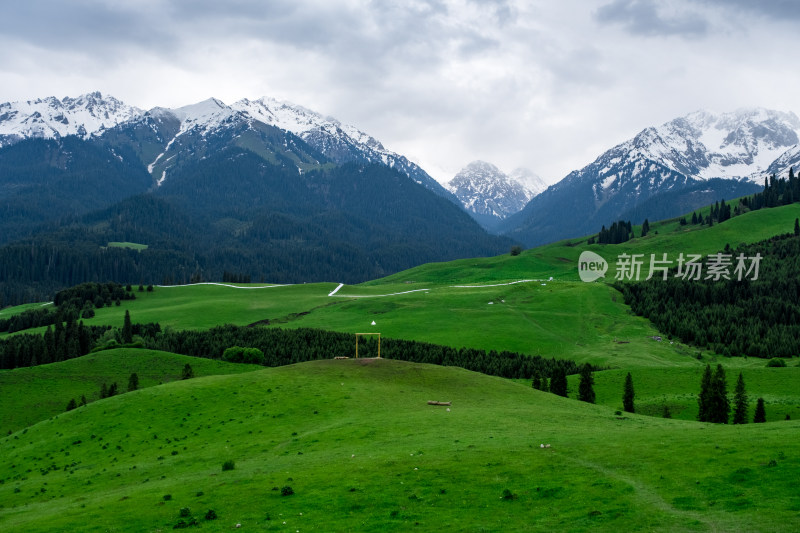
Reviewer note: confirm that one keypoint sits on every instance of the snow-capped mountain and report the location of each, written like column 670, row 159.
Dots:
column 489, row 194
column 790, row 159
column 163, row 138
column 704, row 145
column 339, row 142
column 730, row 152
column 529, row 179
column 49, row 118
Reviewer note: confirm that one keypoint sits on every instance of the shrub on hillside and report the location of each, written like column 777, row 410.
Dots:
column 776, row 362
column 237, row 354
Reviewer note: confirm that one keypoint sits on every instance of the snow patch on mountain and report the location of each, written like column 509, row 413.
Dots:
column 337, row 141
column 484, row 189
column 204, row 116
column 705, row 145
column 534, row 183
column 51, row 118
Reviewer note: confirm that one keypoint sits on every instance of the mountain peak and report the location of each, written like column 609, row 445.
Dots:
column 488, row 193
column 50, row 117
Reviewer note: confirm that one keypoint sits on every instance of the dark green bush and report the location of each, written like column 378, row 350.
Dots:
column 228, row 465
column 237, row 354
column 287, row 491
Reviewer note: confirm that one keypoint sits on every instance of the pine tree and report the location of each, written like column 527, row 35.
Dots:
column 127, row 329
column 72, row 404
column 703, row 399
column 537, row 381
column 796, row 227
column 545, row 384
column 586, row 385
column 720, row 405
column 133, row 382
column 665, row 412
column 761, row 415
column 187, row 372
column 558, row 382
column 83, row 399
column 645, row 227
column 103, row 391
column 628, row 395
column 740, row 402
column 112, row 390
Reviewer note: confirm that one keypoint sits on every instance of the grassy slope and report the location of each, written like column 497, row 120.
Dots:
column 33, row 394
column 564, row 318
column 363, row 452
column 560, row 259
column 678, row 388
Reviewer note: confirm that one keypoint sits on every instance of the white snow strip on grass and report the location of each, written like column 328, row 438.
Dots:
column 223, row 285
column 334, row 291
column 376, row 295
column 496, row 285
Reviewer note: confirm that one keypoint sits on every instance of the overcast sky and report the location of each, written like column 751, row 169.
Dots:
column 548, row 84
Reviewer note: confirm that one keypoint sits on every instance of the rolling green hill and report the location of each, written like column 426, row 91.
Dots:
column 678, row 388
column 449, row 303
column 36, row 393
column 358, row 443
column 362, row 451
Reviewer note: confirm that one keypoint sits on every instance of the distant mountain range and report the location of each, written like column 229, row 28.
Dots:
column 256, row 190
column 686, row 163
column 272, row 190
column 490, row 195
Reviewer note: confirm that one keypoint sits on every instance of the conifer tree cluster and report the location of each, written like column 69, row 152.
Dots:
column 713, row 402
column 761, row 414
column 628, row 395
column 777, row 192
column 619, row 232
column 754, row 318
column 558, row 382
column 586, row 385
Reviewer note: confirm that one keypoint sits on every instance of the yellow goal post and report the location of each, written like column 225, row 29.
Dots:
column 379, row 342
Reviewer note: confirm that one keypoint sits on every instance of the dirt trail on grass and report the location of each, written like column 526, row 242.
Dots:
column 646, row 494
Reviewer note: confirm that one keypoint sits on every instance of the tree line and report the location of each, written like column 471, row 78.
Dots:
column 289, row 346
column 755, row 318
column 70, row 338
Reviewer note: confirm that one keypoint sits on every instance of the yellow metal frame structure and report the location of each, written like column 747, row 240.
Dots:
column 379, row 343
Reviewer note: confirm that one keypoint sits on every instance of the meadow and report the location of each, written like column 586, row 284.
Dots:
column 359, row 448
column 356, row 440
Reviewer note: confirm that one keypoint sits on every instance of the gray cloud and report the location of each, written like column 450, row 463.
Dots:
column 779, row 10
column 643, row 17
column 536, row 83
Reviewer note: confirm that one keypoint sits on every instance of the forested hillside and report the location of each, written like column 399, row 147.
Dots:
column 235, row 213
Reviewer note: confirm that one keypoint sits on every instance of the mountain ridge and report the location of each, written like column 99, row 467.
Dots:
column 701, row 147
column 490, row 195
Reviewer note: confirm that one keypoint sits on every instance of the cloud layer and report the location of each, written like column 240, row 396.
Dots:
column 547, row 85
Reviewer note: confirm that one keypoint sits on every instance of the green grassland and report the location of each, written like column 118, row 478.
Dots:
column 448, row 303
column 678, row 387
column 131, row 245
column 8, row 312
column 362, row 451
column 560, row 259
column 356, row 439
column 36, row 393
